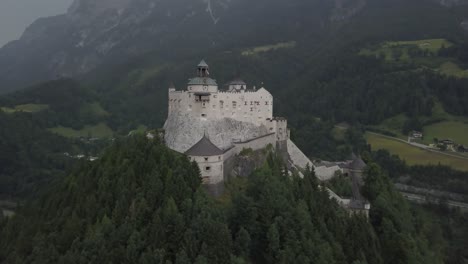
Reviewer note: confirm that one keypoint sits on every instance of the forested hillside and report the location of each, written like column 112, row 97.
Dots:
column 143, row 203
column 319, row 78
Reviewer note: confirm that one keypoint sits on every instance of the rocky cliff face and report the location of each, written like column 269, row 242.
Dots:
column 93, row 32
column 182, row 131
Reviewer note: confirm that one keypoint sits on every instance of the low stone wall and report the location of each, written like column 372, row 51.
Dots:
column 300, row 160
column 256, row 143
column 297, row 156
column 326, row 173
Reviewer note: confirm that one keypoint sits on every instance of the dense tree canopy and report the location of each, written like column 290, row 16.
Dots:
column 143, row 203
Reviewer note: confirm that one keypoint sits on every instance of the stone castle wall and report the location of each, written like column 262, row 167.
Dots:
column 257, row 143
column 211, row 168
column 246, row 106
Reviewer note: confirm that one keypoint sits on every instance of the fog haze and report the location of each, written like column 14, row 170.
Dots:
column 16, row 15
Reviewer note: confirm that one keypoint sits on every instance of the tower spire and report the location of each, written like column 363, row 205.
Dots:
column 203, row 69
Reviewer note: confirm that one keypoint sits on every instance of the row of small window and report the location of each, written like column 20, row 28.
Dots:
column 234, row 103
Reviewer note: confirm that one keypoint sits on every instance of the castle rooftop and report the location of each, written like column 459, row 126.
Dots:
column 202, row 81
column 203, row 64
column 204, row 147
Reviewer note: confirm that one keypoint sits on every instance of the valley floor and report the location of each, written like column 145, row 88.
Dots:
column 415, row 154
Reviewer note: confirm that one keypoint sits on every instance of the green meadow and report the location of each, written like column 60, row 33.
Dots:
column 413, row 155
column 28, row 108
column 401, row 52
column 100, row 130
column 457, row 131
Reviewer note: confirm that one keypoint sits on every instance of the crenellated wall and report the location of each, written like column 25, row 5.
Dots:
column 245, row 106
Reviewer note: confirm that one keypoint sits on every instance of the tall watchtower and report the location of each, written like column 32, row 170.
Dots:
column 202, row 85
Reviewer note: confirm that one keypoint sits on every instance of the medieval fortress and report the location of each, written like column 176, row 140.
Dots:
column 212, row 126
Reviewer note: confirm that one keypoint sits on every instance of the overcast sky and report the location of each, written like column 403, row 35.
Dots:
column 16, row 15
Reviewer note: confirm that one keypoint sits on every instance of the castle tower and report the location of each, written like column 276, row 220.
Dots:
column 202, row 85
column 203, row 69
column 209, row 158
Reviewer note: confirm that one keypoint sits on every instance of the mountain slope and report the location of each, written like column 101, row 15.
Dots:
column 93, row 33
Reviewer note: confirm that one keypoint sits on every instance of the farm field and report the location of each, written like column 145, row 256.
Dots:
column 413, row 155
column 100, row 131
column 457, row 131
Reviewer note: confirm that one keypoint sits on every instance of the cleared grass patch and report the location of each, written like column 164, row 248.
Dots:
column 432, row 45
column 394, row 125
column 266, row 48
column 27, row 108
column 339, row 133
column 452, row 69
column 100, row 130
column 94, row 109
column 403, row 52
column 413, row 155
column 457, row 131
column 141, row 129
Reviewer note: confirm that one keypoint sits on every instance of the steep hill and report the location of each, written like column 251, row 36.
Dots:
column 142, row 203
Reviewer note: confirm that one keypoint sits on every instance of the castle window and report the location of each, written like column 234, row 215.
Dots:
column 215, row 96
column 221, row 104
column 234, row 104
column 246, row 103
column 251, row 103
column 203, row 115
column 207, row 168
column 219, row 158
column 251, row 109
column 206, row 159
column 266, row 103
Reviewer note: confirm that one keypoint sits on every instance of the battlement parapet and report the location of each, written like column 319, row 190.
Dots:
column 277, row 119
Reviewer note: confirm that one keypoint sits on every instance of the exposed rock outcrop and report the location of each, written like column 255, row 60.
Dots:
column 183, row 130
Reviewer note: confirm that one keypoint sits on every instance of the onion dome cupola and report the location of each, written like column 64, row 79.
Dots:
column 202, row 83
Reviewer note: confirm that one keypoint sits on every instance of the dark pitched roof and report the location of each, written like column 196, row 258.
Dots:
column 237, row 81
column 203, row 64
column 358, row 164
column 202, row 81
column 204, row 147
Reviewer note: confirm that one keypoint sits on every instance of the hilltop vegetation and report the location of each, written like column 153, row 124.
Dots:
column 143, row 203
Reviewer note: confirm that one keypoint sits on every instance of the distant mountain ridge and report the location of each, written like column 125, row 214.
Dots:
column 110, row 31
column 103, row 33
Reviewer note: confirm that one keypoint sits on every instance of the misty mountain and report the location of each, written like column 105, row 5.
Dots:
column 109, row 32
column 93, row 33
